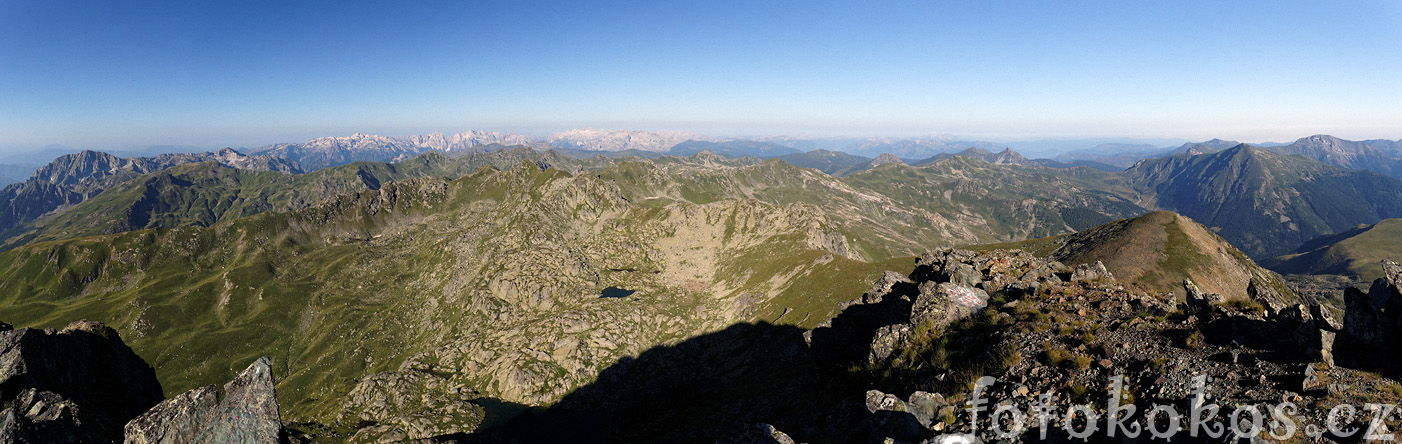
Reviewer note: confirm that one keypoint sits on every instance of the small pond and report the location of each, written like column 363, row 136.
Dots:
column 615, row 292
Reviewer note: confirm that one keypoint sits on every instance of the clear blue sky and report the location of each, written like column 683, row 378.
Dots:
column 245, row 73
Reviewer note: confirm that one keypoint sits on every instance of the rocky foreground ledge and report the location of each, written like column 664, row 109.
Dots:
column 82, row 384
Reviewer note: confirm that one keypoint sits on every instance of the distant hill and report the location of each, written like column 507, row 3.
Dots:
column 620, row 140
column 1120, row 155
column 904, row 148
column 1357, row 252
column 1345, row 154
column 14, row 173
column 1194, row 148
column 1389, row 146
column 327, row 152
column 1049, row 163
column 1266, row 203
column 732, row 148
column 836, row 163
column 1005, row 157
column 1160, row 249
column 207, row 193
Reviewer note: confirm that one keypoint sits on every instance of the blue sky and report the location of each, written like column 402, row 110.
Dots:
column 225, row 73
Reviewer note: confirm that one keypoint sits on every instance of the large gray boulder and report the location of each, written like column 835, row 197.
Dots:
column 247, row 414
column 79, row 384
column 946, row 303
column 1363, row 320
column 1095, row 272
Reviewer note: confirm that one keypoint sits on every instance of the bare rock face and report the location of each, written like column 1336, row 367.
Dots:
column 75, row 385
column 248, row 413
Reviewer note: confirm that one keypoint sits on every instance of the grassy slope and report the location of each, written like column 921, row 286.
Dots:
column 1183, row 248
column 1357, row 253
column 1155, row 251
column 361, row 283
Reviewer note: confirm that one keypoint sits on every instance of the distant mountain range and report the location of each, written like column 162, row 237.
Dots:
column 331, row 151
column 1381, row 156
column 1265, row 203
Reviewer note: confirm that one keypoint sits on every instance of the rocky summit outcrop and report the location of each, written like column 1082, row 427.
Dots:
column 1031, row 330
column 247, row 414
column 75, row 385
column 74, row 178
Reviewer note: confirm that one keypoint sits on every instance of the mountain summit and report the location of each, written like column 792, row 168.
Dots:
column 1266, row 203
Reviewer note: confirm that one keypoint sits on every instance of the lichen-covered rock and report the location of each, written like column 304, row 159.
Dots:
column 176, row 420
column 79, row 384
column 946, row 303
column 1264, row 295
column 1091, row 273
column 247, row 414
column 885, row 342
column 1199, row 300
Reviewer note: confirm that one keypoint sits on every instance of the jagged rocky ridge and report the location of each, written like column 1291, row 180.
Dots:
column 74, row 178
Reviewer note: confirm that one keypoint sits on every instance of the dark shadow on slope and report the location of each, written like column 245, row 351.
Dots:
column 701, row 390
column 846, row 340
column 721, row 384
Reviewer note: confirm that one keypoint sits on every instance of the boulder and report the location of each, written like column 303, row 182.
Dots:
column 962, row 274
column 79, row 384
column 892, row 418
column 1294, row 315
column 757, row 434
column 885, row 342
column 1265, row 295
column 946, row 303
column 1362, row 319
column 1324, row 317
column 925, row 406
column 1091, row 273
column 1314, row 344
column 1194, row 297
column 1386, row 293
column 247, row 414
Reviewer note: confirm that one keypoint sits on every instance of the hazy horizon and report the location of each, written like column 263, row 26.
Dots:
column 247, row 75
